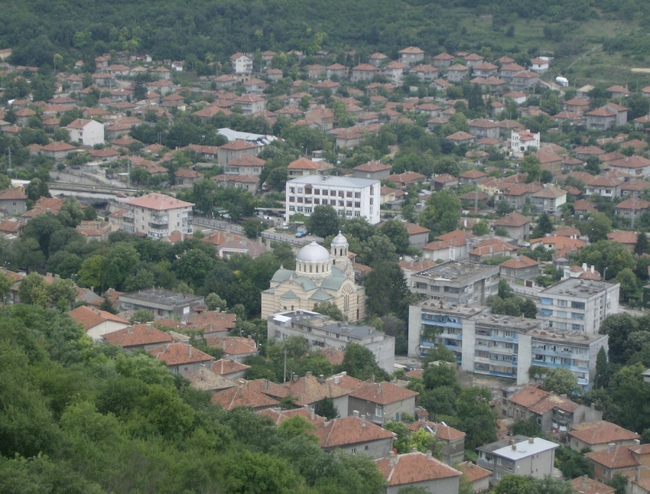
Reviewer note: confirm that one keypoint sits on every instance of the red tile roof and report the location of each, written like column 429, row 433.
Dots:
column 243, row 396
column 519, row 262
column 89, row 318
column 513, row 220
column 442, row 431
column 348, row 431
column 382, row 393
column 224, row 367
column 138, row 335
column 602, row 432
column 473, row 472
column 159, row 202
column 413, row 467
column 619, row 457
column 179, row 353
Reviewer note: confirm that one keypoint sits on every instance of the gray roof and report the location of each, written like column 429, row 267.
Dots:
column 524, row 449
column 160, row 297
column 321, row 296
column 334, row 181
column 333, row 282
column 578, row 288
column 305, row 282
column 492, row 447
column 282, row 275
column 289, row 296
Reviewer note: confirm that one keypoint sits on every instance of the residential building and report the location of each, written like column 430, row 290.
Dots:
column 243, row 396
column 205, row 379
column 138, row 337
column 554, row 414
column 457, row 282
column 236, row 149
column 578, row 305
column 233, row 347
column 350, row 197
column 603, row 186
column 86, row 132
column 245, row 165
column 453, row 450
column 363, row 72
column 94, row 230
column 479, row 477
column 444, row 181
column 181, row 358
column 634, row 166
column 230, row 369
column 548, row 199
column 524, row 80
column 491, row 248
column 354, row 434
column 625, row 237
column 519, row 455
column 242, row 65
column 323, row 332
column 411, row 55
column 585, row 485
column 163, row 303
column 418, row 470
column 250, row 104
column 304, row 166
column 599, row 435
column 187, row 176
column 443, row 60
column 373, row 170
column 158, row 215
column 457, row 72
column 13, row 202
column 482, row 128
column 320, row 276
column 517, row 225
column 522, row 141
column 96, row 323
column 622, row 460
column 519, row 268
column 632, row 208
column 382, row 402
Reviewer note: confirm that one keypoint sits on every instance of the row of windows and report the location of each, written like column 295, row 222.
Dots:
column 332, row 202
column 325, row 192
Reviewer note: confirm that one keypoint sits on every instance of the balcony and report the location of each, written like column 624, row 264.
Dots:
column 129, row 217
column 158, row 226
column 159, row 220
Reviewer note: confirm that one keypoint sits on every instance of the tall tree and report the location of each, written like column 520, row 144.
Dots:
column 323, row 221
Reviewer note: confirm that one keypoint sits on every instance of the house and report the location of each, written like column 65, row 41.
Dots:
column 382, row 402
column 251, row 104
column 243, row 396
column 236, row 149
column 539, row 65
column 411, row 55
column 517, row 225
column 519, row 268
column 522, row 141
column 96, row 323
column 158, row 215
column 363, row 72
column 57, row 150
column 634, row 166
column 138, row 337
column 372, row 169
column 377, row 59
column 582, row 207
column 618, row 91
column 444, row 181
column 577, row 105
column 491, row 248
column 181, row 358
column 615, row 460
column 230, row 369
column 426, row 73
column 394, row 72
column 484, row 69
column 242, row 65
column 211, row 322
column 354, row 434
column 338, row 70
column 205, row 379
column 13, row 202
column 524, row 80
column 475, row 475
column 304, row 166
column 457, row 72
column 548, row 199
column 627, row 238
column 403, row 180
column 603, row 186
column 245, row 165
column 471, row 177
column 163, row 303
column 461, row 137
column 509, row 70
column 321, row 118
column 517, row 195
column 95, row 230
column 482, row 128
column 632, row 208
column 453, row 450
column 585, row 485
column 418, row 470
column 634, row 187
column 443, row 60
column 606, row 117
column 233, row 347
column 555, row 414
column 519, row 455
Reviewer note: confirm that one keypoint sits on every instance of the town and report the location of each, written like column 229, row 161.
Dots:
column 438, row 263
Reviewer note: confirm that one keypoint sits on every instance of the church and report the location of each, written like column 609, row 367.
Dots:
column 320, row 276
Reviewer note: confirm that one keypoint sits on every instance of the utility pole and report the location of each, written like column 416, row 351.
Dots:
column 284, row 375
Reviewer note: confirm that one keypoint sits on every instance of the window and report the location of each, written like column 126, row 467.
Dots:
column 379, row 411
column 562, row 303
column 578, row 305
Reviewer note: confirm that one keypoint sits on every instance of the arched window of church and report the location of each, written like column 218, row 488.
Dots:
column 346, row 303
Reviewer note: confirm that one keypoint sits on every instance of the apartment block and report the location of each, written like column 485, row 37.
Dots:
column 350, row 197
column 157, row 216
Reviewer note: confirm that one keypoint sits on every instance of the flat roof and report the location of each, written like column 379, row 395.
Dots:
column 438, row 306
column 511, row 322
column 315, row 320
column 577, row 287
column 328, row 180
column 524, row 449
column 457, row 270
column 557, row 336
column 159, row 296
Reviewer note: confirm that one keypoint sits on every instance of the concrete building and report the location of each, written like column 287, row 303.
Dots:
column 457, row 282
column 522, row 141
column 157, row 216
column 320, row 276
column 418, row 470
column 13, row 202
column 453, row 449
column 600, row 435
column 548, row 199
column 350, row 197
column 323, row 332
column 241, row 64
column 355, row 434
column 163, row 303
column 86, row 132
column 517, row 225
column 519, row 455
column 578, row 305
column 382, row 402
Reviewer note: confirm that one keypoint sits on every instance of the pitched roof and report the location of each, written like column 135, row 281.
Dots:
column 228, row 366
column 441, row 430
column 179, row 353
column 382, row 393
column 12, row 194
column 633, row 203
column 519, row 262
column 158, row 202
column 89, row 318
column 473, row 174
column 473, row 472
column 207, row 380
column 138, row 335
column 372, row 166
column 349, row 430
column 583, row 205
column 622, row 237
column 410, row 468
column 585, row 485
column 513, row 219
column 631, row 162
column 279, row 415
column 242, row 396
column 618, row 457
column 232, row 345
column 601, row 432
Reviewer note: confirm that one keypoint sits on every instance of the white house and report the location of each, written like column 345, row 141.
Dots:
column 522, row 141
column 241, row 64
column 86, row 132
column 97, row 322
column 350, row 197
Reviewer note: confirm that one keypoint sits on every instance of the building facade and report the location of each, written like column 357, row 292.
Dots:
column 350, row 197
column 157, row 216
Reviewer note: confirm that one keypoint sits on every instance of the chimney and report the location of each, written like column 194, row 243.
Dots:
column 190, row 350
column 512, row 444
column 266, row 384
column 355, row 413
column 610, row 447
column 312, row 414
column 414, row 449
column 585, row 484
column 308, row 374
column 363, row 420
column 531, row 440
column 429, row 454
column 637, row 442
column 129, row 329
column 592, row 406
column 392, row 459
column 584, row 267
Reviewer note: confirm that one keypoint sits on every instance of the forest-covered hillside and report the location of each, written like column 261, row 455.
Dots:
column 214, row 29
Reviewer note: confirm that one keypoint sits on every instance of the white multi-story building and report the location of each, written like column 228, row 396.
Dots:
column 578, row 305
column 322, row 332
column 502, row 346
column 86, row 132
column 241, row 64
column 523, row 141
column 158, row 215
column 350, row 197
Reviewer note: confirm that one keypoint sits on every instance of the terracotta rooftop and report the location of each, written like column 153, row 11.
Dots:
column 519, row 262
column 238, row 146
column 138, row 335
column 442, row 431
column 473, row 174
column 583, row 205
column 89, row 318
column 413, row 467
column 159, row 202
column 232, row 345
column 382, row 393
column 585, row 485
column 348, row 431
column 473, row 472
column 616, row 458
column 179, row 353
column 279, row 415
column 224, row 367
column 631, row 162
column 242, row 396
column 372, row 166
column 513, row 220
column 633, row 203
column 601, row 432
column 12, row 194
column 206, row 379
column 622, row 237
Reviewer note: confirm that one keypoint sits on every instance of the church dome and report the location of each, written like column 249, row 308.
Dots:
column 339, row 241
column 313, row 253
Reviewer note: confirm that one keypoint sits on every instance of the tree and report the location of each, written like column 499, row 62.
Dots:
column 37, row 189
column 386, row 290
column 360, row 362
column 629, row 283
column 253, row 227
column 323, row 221
column 480, row 228
column 532, row 166
column 514, row 484
column 214, row 302
column 593, row 165
column 144, row 278
column 527, row 427
column 437, row 376
column 560, row 381
column 326, row 408
column 502, row 208
column 141, row 316
column 544, row 226
column 619, row 482
column 598, row 226
column 396, row 231
column 442, row 213
column 329, row 309
column 118, row 264
column 642, row 245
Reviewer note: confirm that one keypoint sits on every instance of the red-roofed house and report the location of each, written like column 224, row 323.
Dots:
column 597, row 435
column 235, row 149
column 230, row 369
column 304, row 166
column 86, row 132
column 13, row 202
column 636, row 166
column 479, row 477
column 627, row 238
column 243, row 396
column 354, row 434
column 633, row 207
column 382, row 402
column 138, row 337
column 517, row 225
column 97, row 323
column 373, row 170
column 158, row 215
column 418, row 470
column 453, row 450
column 181, row 357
